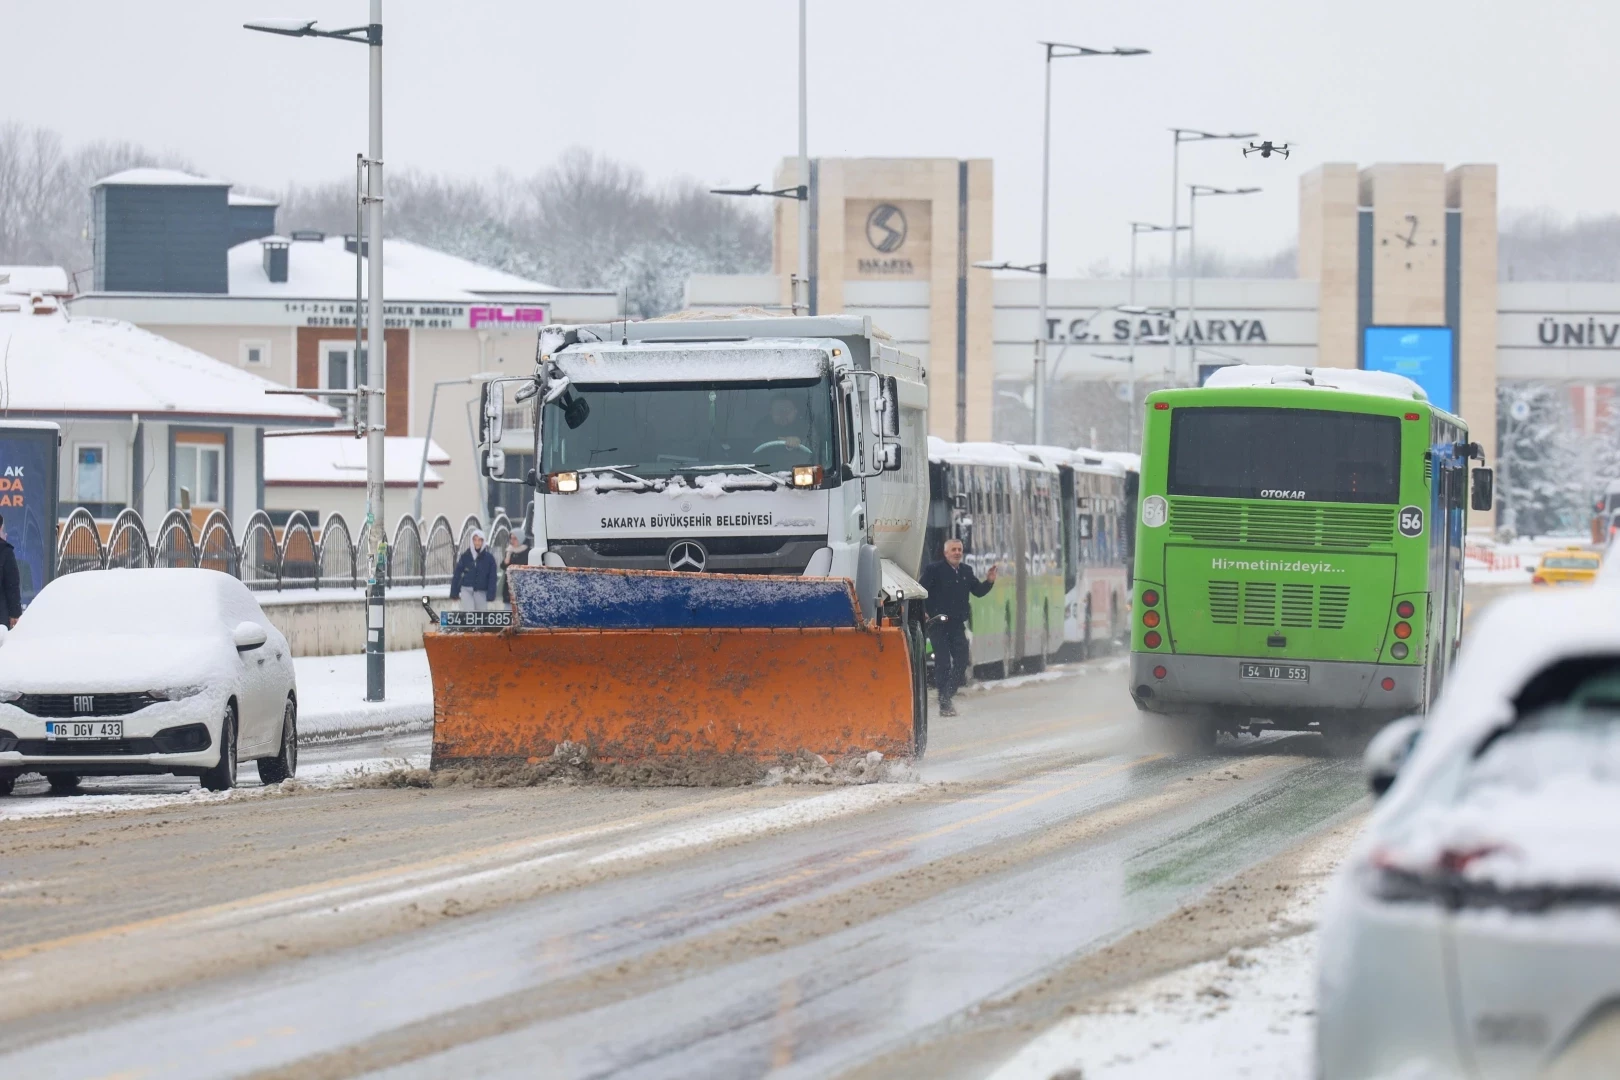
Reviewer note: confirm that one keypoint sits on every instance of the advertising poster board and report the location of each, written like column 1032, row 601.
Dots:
column 28, row 493
column 1421, row 353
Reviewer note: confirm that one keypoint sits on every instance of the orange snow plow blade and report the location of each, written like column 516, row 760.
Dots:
column 631, row 691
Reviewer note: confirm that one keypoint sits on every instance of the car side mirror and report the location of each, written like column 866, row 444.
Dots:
column 1484, row 488
column 1388, row 751
column 249, row 636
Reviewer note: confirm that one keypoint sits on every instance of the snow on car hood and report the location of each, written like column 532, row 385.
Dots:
column 108, row 662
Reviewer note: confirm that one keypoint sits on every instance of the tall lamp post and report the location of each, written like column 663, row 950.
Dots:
column 374, row 389
column 1055, row 50
column 1196, row 192
column 801, row 190
column 1137, row 229
column 1185, row 135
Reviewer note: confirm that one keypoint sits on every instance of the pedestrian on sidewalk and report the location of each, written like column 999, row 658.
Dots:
column 949, row 584
column 476, row 571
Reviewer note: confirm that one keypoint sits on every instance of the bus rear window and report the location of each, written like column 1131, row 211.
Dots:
column 1309, row 455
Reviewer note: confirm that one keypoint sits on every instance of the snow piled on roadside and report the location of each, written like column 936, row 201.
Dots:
column 332, row 691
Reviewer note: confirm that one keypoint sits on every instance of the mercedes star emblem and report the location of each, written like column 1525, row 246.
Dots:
column 687, row 556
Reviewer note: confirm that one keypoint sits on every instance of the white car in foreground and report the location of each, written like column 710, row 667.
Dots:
column 1475, row 929
column 119, row 672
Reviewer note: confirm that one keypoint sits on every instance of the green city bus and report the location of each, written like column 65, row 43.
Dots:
column 1299, row 552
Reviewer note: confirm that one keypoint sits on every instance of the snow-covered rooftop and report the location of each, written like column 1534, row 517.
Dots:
column 324, row 270
column 1084, row 460
column 56, row 365
column 986, row 453
column 50, row 280
column 159, row 178
column 340, row 461
column 1350, row 380
column 249, row 200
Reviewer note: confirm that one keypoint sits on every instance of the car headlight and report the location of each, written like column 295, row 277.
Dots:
column 9, row 696
column 176, row 693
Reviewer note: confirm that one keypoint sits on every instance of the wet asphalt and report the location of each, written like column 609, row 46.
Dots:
column 1039, row 827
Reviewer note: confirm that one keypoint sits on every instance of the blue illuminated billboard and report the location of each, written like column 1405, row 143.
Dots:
column 1421, row 353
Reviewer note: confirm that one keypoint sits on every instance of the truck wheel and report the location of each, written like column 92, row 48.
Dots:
column 919, row 692
column 1180, row 734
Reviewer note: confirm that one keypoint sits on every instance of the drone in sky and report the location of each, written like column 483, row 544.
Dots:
column 1266, row 149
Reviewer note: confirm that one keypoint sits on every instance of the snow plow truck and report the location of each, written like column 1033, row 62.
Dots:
column 727, row 525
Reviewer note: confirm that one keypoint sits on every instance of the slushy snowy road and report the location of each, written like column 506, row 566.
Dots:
column 934, row 924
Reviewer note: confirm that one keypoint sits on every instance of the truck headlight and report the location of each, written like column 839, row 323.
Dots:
column 564, row 482
column 806, row 475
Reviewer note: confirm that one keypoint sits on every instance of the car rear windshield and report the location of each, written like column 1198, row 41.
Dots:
column 1299, row 454
column 1568, row 562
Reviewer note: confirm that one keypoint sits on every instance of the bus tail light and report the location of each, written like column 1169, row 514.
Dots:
column 1399, row 650
column 1152, row 639
column 1403, row 630
column 1150, row 618
column 1150, row 598
column 1405, row 609
column 1388, row 683
column 1159, row 672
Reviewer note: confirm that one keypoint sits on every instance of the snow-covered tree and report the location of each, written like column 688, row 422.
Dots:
column 1542, row 463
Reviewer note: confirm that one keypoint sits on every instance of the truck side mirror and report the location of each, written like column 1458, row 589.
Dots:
column 888, row 405
column 959, row 501
column 1483, row 490
column 890, row 457
column 492, row 408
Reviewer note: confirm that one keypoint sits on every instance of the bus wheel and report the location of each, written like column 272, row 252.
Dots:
column 1345, row 735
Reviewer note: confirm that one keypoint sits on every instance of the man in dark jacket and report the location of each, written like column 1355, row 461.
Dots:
column 949, row 583
column 10, row 581
column 477, row 572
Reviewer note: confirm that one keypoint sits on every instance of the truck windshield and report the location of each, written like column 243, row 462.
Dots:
column 657, row 429
column 1304, row 454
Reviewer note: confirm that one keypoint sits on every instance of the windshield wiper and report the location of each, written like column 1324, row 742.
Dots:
column 776, row 481
column 649, row 485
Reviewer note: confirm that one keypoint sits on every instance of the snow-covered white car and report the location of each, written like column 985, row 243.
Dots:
column 119, row 672
column 1475, row 929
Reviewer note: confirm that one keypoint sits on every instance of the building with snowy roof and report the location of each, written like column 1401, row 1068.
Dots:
column 186, row 258
column 146, row 422
column 326, row 474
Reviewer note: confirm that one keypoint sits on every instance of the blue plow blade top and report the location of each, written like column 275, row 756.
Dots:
column 588, row 599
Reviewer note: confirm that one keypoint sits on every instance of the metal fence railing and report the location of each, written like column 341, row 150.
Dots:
column 296, row 555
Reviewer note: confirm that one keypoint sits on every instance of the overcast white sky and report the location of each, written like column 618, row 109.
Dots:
column 706, row 88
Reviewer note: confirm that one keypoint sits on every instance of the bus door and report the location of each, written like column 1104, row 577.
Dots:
column 1022, row 531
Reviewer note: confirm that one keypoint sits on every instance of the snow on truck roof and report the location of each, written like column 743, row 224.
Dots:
column 1350, row 380
column 687, row 361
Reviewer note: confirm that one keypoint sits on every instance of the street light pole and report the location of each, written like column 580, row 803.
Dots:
column 1137, row 229
column 375, row 385
column 1194, row 193
column 1182, row 135
column 804, row 167
column 1055, row 50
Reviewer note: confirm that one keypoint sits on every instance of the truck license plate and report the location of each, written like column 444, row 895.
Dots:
column 84, row 729
column 475, row 620
column 1285, row 672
